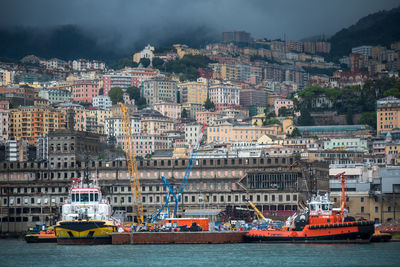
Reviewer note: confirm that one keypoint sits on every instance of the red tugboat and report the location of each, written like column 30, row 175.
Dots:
column 319, row 222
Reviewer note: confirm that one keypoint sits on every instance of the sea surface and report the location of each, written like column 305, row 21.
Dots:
column 18, row 253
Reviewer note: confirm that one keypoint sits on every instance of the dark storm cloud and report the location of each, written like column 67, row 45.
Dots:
column 129, row 21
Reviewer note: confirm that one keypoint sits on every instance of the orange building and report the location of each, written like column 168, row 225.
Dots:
column 29, row 123
column 388, row 114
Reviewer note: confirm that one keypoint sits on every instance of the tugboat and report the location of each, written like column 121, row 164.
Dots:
column 318, row 222
column 86, row 216
column 47, row 235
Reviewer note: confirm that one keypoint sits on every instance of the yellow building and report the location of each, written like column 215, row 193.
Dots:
column 388, row 114
column 100, row 116
column 287, row 125
column 239, row 133
column 269, row 140
column 367, row 206
column 183, row 50
column 258, row 120
column 29, row 123
column 194, row 92
column 5, row 77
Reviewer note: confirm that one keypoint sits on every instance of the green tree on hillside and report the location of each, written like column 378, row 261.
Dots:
column 392, row 92
column 134, row 93
column 184, row 114
column 116, row 95
column 209, row 105
column 368, row 118
column 145, row 62
column 305, row 118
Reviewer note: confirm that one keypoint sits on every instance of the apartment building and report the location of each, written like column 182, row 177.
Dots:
column 55, row 95
column 29, row 123
column 194, row 92
column 224, row 95
column 159, row 89
column 388, row 114
column 169, row 109
column 228, row 133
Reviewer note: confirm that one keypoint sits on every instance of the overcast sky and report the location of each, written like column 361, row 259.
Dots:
column 131, row 19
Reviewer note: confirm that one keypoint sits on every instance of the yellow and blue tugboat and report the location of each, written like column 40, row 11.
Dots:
column 86, row 216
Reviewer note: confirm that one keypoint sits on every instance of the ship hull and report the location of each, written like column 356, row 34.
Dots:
column 351, row 232
column 84, row 232
column 36, row 238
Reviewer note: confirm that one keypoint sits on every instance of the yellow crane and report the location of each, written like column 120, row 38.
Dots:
column 131, row 163
column 259, row 214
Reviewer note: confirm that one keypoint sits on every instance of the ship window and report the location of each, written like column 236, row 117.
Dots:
column 325, row 207
column 84, row 197
column 73, row 197
column 96, row 197
column 91, row 197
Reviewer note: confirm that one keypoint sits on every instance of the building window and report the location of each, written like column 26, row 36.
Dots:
column 376, row 209
column 362, row 209
column 362, row 199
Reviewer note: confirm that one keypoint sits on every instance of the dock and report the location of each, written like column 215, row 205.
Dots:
column 137, row 238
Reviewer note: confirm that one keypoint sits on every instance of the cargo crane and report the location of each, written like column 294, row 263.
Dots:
column 131, row 163
column 170, row 190
column 260, row 216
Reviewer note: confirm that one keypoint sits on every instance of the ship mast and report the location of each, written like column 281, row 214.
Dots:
column 342, row 179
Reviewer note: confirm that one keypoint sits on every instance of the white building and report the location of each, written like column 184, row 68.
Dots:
column 113, row 128
column 192, row 134
column 55, row 95
column 16, row 150
column 352, row 144
column 83, row 65
column 365, row 50
column 42, row 148
column 147, row 52
column 224, row 94
column 102, row 101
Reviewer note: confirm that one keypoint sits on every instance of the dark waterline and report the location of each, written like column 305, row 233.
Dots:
column 19, row 253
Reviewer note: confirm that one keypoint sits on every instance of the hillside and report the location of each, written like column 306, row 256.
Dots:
column 378, row 28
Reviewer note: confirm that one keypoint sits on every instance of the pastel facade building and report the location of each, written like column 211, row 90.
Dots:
column 156, row 125
column 224, row 95
column 84, row 65
column 351, row 144
column 29, row 123
column 123, row 80
column 85, row 90
column 388, row 114
column 206, row 117
column 102, row 101
column 192, row 109
column 55, row 95
column 146, row 144
column 227, row 133
column 280, row 103
column 169, row 109
column 159, row 89
column 194, row 92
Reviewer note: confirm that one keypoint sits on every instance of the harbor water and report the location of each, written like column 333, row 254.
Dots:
column 18, row 253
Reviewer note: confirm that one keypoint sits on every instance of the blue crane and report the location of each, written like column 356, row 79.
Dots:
column 169, row 190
